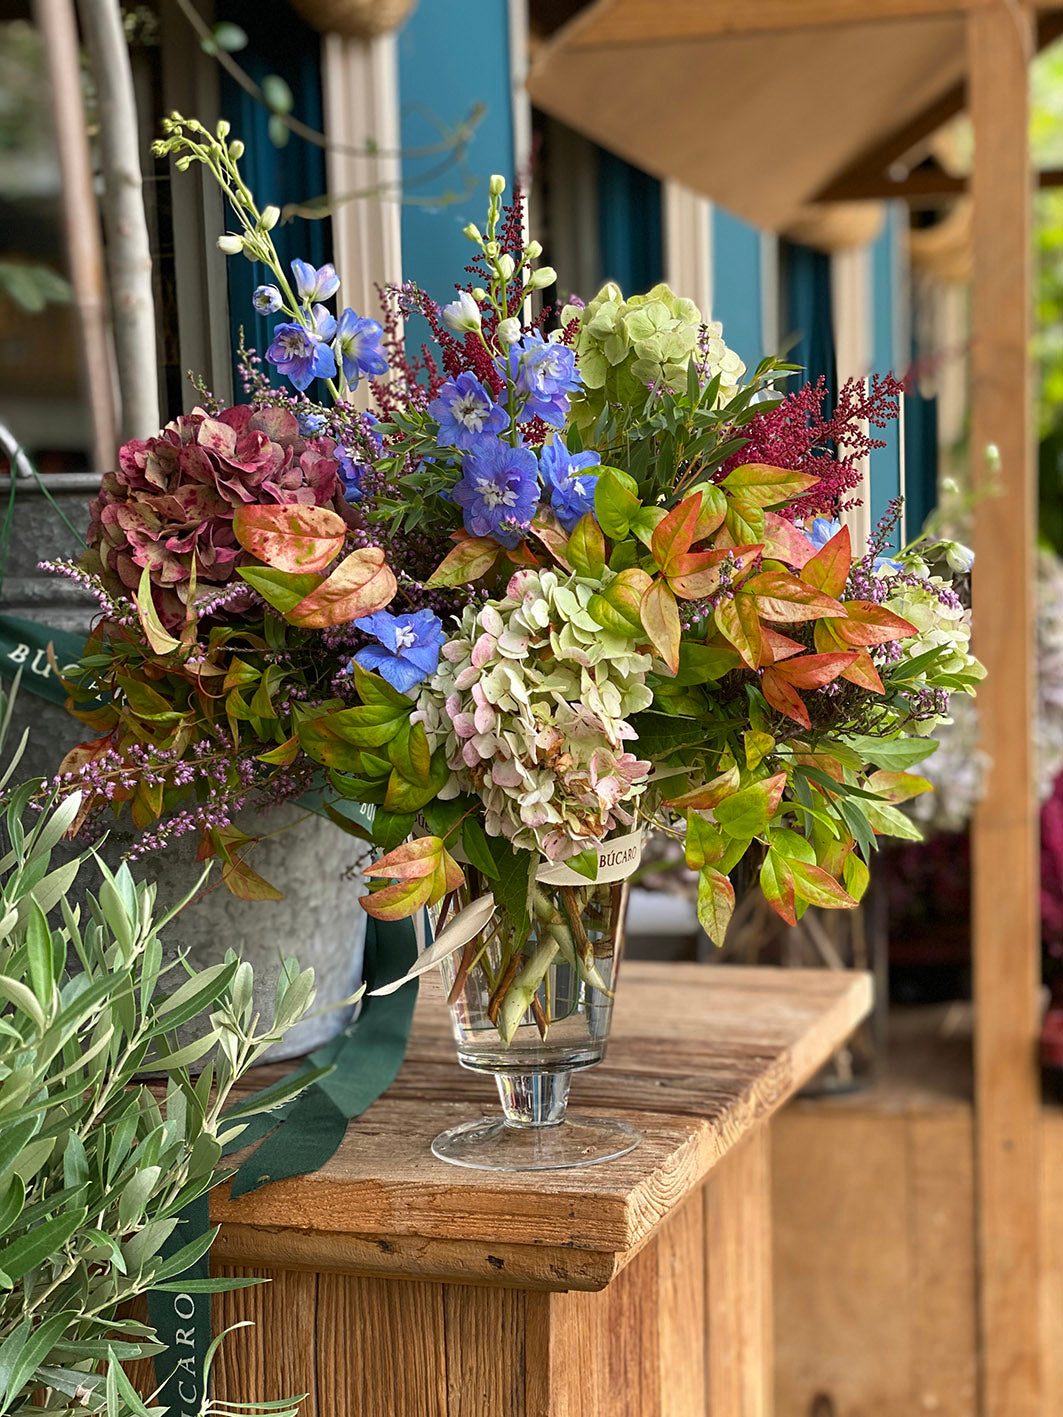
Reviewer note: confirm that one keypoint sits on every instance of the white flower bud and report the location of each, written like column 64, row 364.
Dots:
column 462, row 316
column 959, row 557
column 497, row 185
column 183, row 164
column 223, row 127
column 545, row 275
column 533, row 249
column 270, row 217
column 491, row 249
column 478, row 293
column 508, row 331
column 231, row 245
column 236, row 150
column 472, row 231
column 505, row 267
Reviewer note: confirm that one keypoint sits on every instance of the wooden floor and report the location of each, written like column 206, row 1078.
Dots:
column 873, row 1208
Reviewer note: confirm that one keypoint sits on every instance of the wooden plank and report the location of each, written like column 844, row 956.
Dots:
column 697, row 1059
column 1006, row 933
column 485, row 1350
column 1052, row 1295
column 738, row 1282
column 874, row 1271
column 276, row 1357
column 681, row 1347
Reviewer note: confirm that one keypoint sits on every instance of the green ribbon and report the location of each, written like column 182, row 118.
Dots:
column 24, row 646
column 182, row 1320
column 305, row 1133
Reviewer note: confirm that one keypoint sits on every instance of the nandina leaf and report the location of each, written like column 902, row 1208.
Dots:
column 285, row 753
column 784, row 598
column 553, row 536
column 783, row 542
column 761, row 485
column 696, row 574
column 744, row 524
column 710, row 794
column 615, row 504
column 470, row 559
column 244, row 882
column 828, row 569
column 866, row 623
column 586, row 547
column 360, row 584
column 777, row 883
column 290, row 537
column 739, row 624
column 758, row 746
column 398, row 901
column 784, row 697
column 716, row 903
column 412, row 861
column 898, row 786
column 856, row 875
column 812, row 671
column 864, row 673
column 660, row 620
column 712, row 511
column 674, row 535
column 618, row 607
column 705, row 843
column 747, row 812
column 156, row 634
column 281, row 589
column 818, row 887
column 776, row 646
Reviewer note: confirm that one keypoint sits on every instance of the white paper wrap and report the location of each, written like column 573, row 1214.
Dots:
column 617, row 860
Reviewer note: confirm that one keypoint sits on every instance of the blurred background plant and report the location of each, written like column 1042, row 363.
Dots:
column 96, row 1166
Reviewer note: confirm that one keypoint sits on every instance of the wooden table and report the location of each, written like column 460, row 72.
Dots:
column 404, row 1287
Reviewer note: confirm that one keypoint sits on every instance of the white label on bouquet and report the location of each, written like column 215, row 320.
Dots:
column 618, row 859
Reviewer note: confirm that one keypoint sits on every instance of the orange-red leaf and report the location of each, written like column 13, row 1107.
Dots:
column 776, row 646
column 784, row 697
column 866, row 623
column 818, row 887
column 777, row 883
column 696, row 574
column 660, row 620
column 864, row 673
column 710, row 794
column 397, row 902
column 784, row 598
column 898, row 786
column 553, row 536
column 290, row 537
column 739, row 624
column 470, row 559
column 360, row 584
column 413, row 860
column 812, row 671
column 828, row 569
column 673, row 536
column 783, row 542
column 766, row 486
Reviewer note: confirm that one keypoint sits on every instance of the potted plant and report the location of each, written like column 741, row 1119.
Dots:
column 631, row 631
column 96, row 1168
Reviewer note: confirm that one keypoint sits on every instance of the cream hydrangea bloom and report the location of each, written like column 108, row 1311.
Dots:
column 530, row 703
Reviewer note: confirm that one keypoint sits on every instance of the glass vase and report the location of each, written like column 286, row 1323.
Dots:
column 532, row 1012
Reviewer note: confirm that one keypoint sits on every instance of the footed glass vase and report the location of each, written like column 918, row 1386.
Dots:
column 532, row 1012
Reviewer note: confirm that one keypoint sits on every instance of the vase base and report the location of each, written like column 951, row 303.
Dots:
column 491, row 1144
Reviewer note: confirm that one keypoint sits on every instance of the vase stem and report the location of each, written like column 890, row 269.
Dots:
column 534, row 1099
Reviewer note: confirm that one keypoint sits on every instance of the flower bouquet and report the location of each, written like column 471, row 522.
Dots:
column 562, row 589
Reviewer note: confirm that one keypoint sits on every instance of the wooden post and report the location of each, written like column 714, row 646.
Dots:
column 58, row 26
column 1006, row 932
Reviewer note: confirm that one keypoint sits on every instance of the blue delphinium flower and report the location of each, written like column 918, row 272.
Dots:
column 466, row 412
column 824, row 528
column 545, row 374
column 311, row 425
column 408, row 649
column 571, row 494
column 267, row 299
column 358, row 345
column 299, row 356
column 311, row 284
column 498, row 490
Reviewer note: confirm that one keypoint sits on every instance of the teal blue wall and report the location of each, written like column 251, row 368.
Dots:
column 629, row 225
column 736, row 285
column 886, row 294
column 453, row 54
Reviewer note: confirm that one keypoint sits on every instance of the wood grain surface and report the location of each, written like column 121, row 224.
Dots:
column 698, row 1057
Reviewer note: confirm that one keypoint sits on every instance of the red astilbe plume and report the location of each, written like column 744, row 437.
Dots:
column 795, row 434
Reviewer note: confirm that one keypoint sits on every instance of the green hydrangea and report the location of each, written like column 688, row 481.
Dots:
column 626, row 345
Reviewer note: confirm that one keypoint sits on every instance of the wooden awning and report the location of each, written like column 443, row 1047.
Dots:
column 763, row 106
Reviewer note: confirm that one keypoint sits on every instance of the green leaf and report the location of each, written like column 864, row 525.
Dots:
column 390, row 829
column 196, row 994
column 18, row 1366
column 777, row 883
column 614, row 504
column 748, row 811
column 12, row 1199
column 716, row 899
column 478, row 849
column 513, row 884
column 39, row 1245
column 818, row 887
column 889, row 821
column 284, row 590
column 586, row 547
column 896, row 754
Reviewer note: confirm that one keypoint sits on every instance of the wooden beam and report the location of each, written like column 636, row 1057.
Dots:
column 619, row 22
column 922, row 188
column 1006, row 933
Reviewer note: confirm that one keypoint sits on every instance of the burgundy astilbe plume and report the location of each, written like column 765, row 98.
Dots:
column 796, row 435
